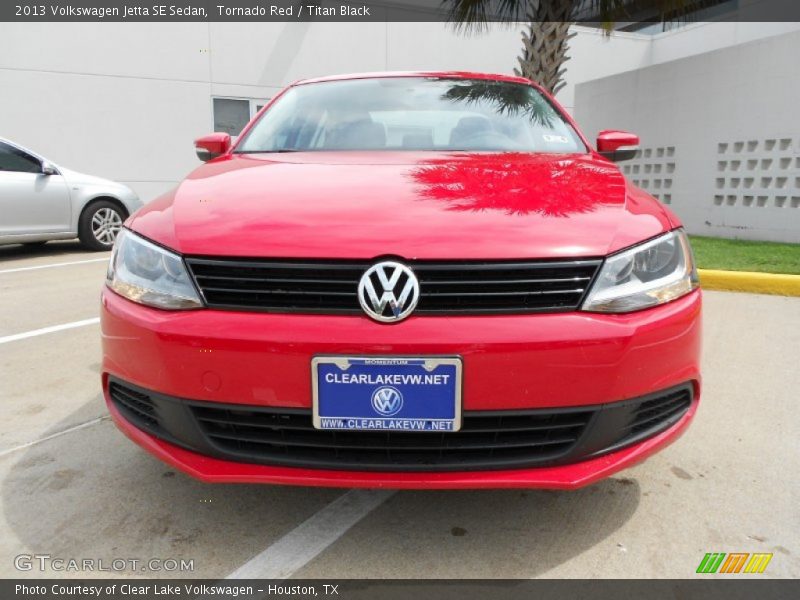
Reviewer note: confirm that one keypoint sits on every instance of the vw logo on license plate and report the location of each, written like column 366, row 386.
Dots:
column 387, row 401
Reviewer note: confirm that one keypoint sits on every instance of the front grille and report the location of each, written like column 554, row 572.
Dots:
column 485, row 440
column 445, row 287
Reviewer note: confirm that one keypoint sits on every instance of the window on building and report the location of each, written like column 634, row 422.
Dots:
column 232, row 114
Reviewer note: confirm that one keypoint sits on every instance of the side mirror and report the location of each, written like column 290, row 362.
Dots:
column 617, row 145
column 49, row 168
column 212, row 145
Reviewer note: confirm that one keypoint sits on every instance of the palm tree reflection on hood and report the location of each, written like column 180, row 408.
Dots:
column 518, row 183
column 507, row 99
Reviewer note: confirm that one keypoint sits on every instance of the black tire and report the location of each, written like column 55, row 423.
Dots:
column 95, row 235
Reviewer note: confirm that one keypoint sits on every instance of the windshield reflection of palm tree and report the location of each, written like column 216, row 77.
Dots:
column 506, row 100
column 516, row 183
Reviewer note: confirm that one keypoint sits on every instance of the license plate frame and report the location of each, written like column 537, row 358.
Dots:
column 449, row 365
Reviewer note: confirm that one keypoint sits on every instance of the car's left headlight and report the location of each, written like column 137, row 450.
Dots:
column 646, row 275
column 148, row 274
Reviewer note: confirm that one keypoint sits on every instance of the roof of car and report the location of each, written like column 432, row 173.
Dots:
column 445, row 74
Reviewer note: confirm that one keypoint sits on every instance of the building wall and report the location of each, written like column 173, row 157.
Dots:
column 699, row 38
column 720, row 135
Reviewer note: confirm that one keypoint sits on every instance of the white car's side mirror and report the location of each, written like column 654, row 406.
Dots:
column 49, row 168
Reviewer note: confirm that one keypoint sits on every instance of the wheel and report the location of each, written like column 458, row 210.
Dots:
column 99, row 224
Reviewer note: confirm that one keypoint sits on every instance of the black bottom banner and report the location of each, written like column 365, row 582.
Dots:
column 389, row 589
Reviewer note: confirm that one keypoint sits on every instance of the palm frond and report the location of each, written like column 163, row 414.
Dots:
column 475, row 15
column 506, row 99
column 610, row 12
column 546, row 39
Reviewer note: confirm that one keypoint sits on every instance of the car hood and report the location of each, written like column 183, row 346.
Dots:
column 411, row 205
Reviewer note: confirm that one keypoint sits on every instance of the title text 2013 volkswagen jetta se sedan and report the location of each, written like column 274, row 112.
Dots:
column 404, row 280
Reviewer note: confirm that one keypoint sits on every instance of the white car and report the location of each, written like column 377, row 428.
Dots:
column 41, row 201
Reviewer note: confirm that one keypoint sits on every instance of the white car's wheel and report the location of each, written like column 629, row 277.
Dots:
column 99, row 224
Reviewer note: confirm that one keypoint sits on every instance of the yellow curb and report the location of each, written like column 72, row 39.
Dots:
column 756, row 283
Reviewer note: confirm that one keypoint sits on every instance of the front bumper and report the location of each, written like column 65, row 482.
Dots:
column 511, row 363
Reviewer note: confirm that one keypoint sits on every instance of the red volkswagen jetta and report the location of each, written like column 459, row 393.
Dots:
column 404, row 280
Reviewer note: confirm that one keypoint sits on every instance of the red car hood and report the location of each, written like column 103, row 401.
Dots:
column 411, row 205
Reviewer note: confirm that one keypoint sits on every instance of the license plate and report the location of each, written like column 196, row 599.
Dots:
column 387, row 393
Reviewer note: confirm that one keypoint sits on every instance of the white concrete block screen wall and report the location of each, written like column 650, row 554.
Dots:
column 720, row 135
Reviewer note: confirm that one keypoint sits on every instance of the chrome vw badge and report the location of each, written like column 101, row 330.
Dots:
column 388, row 292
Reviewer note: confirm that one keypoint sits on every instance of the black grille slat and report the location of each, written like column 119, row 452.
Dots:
column 242, row 421
column 507, row 267
column 277, row 291
column 277, row 280
column 147, row 416
column 487, row 287
column 504, row 294
column 565, row 280
column 409, row 461
column 138, row 401
column 365, row 442
column 643, row 424
column 658, row 411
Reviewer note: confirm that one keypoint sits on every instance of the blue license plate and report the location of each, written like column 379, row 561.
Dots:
column 387, row 393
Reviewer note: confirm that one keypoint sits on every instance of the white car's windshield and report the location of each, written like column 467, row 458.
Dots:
column 412, row 113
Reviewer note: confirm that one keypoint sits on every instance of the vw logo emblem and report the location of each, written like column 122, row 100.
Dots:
column 387, row 401
column 388, row 292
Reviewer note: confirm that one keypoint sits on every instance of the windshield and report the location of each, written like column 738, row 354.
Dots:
column 412, row 113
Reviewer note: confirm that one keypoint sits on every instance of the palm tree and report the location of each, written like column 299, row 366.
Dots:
column 546, row 36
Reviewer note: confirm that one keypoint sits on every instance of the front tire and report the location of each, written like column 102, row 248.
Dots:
column 99, row 224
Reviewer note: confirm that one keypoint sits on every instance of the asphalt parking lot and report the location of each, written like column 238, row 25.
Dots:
column 72, row 486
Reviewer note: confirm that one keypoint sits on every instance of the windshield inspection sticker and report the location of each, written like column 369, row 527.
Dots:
column 558, row 139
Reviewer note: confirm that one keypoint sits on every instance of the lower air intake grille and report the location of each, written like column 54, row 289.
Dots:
column 656, row 414
column 486, row 440
column 135, row 405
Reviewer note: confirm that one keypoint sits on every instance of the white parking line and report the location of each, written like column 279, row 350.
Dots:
column 55, row 435
column 51, row 329
column 301, row 545
column 50, row 266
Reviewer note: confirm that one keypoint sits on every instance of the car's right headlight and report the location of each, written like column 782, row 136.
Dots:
column 646, row 275
column 148, row 274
